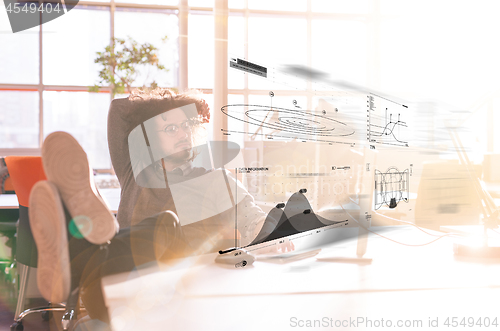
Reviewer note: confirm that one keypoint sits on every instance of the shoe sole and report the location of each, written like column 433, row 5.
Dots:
column 66, row 165
column 48, row 225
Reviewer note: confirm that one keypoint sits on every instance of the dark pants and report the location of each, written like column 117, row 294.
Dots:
column 156, row 239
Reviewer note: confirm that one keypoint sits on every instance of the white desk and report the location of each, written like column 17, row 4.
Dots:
column 112, row 198
column 8, row 201
column 110, row 195
column 415, row 283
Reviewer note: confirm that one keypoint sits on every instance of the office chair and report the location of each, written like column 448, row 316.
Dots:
column 24, row 172
column 8, row 221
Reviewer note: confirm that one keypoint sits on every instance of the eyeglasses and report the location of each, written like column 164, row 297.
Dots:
column 172, row 129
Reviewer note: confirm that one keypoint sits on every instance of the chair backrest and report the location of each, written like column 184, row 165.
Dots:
column 7, row 186
column 24, row 172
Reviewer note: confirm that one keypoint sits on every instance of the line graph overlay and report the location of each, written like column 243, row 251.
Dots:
column 386, row 122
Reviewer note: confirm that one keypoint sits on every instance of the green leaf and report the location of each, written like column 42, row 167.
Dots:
column 120, row 60
column 94, row 88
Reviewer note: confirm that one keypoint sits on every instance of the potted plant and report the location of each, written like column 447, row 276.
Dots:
column 119, row 63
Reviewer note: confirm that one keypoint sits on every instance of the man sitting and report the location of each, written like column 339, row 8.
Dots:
column 171, row 205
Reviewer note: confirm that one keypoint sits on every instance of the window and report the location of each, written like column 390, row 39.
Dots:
column 330, row 36
column 152, row 26
column 340, row 48
column 19, row 119
column 201, row 50
column 19, row 61
column 33, row 106
column 70, row 43
column 83, row 115
column 45, row 73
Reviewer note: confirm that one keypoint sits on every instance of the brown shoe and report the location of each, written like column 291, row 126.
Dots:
column 66, row 165
column 48, row 225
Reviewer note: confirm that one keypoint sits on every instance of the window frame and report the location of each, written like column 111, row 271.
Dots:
column 372, row 18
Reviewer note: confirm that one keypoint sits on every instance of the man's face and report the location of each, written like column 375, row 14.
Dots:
column 174, row 135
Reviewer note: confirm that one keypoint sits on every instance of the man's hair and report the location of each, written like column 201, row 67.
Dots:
column 159, row 100
column 149, row 103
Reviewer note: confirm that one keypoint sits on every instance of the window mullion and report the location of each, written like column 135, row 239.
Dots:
column 40, row 81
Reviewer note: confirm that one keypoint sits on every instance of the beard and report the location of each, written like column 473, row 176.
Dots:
column 180, row 157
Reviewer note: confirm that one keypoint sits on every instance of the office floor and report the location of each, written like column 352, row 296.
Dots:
column 33, row 322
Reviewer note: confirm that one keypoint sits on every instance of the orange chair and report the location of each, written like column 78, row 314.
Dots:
column 24, row 172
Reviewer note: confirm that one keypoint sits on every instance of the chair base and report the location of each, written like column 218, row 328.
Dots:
column 68, row 319
column 18, row 322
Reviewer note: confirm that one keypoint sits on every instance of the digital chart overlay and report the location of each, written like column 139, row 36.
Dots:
column 391, row 187
column 287, row 123
column 386, row 124
column 290, row 219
